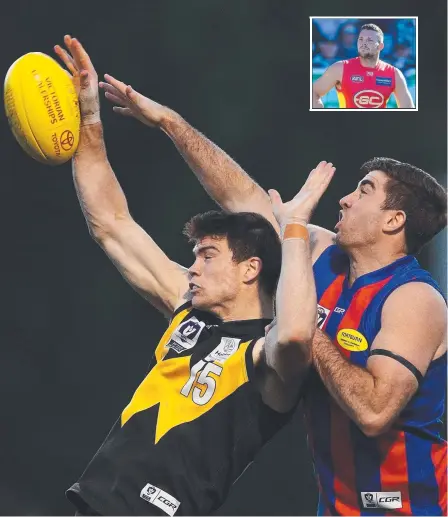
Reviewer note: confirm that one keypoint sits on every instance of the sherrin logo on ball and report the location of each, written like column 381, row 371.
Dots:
column 42, row 108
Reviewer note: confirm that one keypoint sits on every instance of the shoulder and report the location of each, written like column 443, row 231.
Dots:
column 415, row 302
column 339, row 65
column 335, row 70
column 399, row 76
column 320, row 240
column 396, row 70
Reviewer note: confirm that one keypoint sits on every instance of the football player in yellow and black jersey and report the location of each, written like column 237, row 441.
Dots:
column 220, row 384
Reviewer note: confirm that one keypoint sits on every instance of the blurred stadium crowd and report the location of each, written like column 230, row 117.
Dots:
column 335, row 39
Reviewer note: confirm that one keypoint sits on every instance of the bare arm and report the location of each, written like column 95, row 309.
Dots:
column 328, row 80
column 285, row 353
column 138, row 258
column 374, row 396
column 224, row 180
column 404, row 98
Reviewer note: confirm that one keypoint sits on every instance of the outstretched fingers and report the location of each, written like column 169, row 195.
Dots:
column 123, row 111
column 79, row 54
column 67, row 59
column 114, row 98
column 324, row 177
column 115, row 83
column 111, row 91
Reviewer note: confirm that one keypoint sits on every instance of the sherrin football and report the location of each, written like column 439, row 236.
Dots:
column 42, row 108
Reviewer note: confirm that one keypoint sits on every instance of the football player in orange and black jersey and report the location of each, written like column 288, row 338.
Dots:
column 219, row 388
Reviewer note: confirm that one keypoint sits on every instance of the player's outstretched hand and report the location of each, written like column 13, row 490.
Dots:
column 302, row 205
column 84, row 76
column 130, row 103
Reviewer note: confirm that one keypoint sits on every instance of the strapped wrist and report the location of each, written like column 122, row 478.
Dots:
column 294, row 230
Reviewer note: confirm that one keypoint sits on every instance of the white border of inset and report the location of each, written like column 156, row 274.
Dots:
column 397, row 110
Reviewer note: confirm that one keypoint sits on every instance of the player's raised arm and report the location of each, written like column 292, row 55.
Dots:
column 286, row 350
column 328, row 80
column 138, row 258
column 402, row 93
column 224, row 180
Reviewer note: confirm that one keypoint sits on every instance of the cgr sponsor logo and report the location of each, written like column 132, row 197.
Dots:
column 368, row 99
column 385, row 500
column 160, row 498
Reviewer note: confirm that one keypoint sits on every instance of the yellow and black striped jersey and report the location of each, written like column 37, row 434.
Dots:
column 191, row 428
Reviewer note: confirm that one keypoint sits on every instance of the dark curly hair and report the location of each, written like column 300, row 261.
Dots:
column 415, row 192
column 248, row 235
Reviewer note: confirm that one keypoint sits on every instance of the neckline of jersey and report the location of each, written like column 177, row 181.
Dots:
column 380, row 274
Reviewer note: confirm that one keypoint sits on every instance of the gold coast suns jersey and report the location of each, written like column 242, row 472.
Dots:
column 191, row 428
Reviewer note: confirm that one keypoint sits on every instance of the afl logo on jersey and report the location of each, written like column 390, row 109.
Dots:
column 352, row 340
column 368, row 99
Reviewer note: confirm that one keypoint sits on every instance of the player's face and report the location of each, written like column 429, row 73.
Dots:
column 369, row 44
column 215, row 278
column 361, row 220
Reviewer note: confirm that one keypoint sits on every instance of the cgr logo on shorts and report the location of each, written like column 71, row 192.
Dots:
column 386, row 500
column 160, row 498
column 368, row 99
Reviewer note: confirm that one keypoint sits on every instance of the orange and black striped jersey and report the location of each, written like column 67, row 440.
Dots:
column 191, row 428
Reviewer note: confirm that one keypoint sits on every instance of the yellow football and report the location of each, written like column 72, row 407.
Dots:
column 42, row 108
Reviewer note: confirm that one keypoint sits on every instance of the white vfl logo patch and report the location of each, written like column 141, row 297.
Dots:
column 227, row 347
column 386, row 500
column 322, row 315
column 186, row 335
column 160, row 498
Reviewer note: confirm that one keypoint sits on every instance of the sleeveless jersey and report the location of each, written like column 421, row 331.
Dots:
column 403, row 471
column 193, row 425
column 363, row 87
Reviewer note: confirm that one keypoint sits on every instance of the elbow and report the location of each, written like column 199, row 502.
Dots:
column 97, row 232
column 101, row 229
column 374, row 425
column 298, row 344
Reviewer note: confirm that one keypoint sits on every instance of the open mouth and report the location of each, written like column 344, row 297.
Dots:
column 193, row 287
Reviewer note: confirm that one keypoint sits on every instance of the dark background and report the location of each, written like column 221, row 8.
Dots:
column 75, row 339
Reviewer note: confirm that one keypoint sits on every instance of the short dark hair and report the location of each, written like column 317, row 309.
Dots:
column 415, row 192
column 248, row 235
column 375, row 28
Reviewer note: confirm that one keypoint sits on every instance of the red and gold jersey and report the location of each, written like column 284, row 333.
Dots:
column 365, row 88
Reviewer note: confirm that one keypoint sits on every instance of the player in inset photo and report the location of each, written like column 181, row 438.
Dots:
column 347, row 71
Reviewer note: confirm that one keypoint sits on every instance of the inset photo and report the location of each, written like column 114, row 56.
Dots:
column 363, row 63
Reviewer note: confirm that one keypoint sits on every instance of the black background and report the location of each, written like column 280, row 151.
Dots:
column 75, row 338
